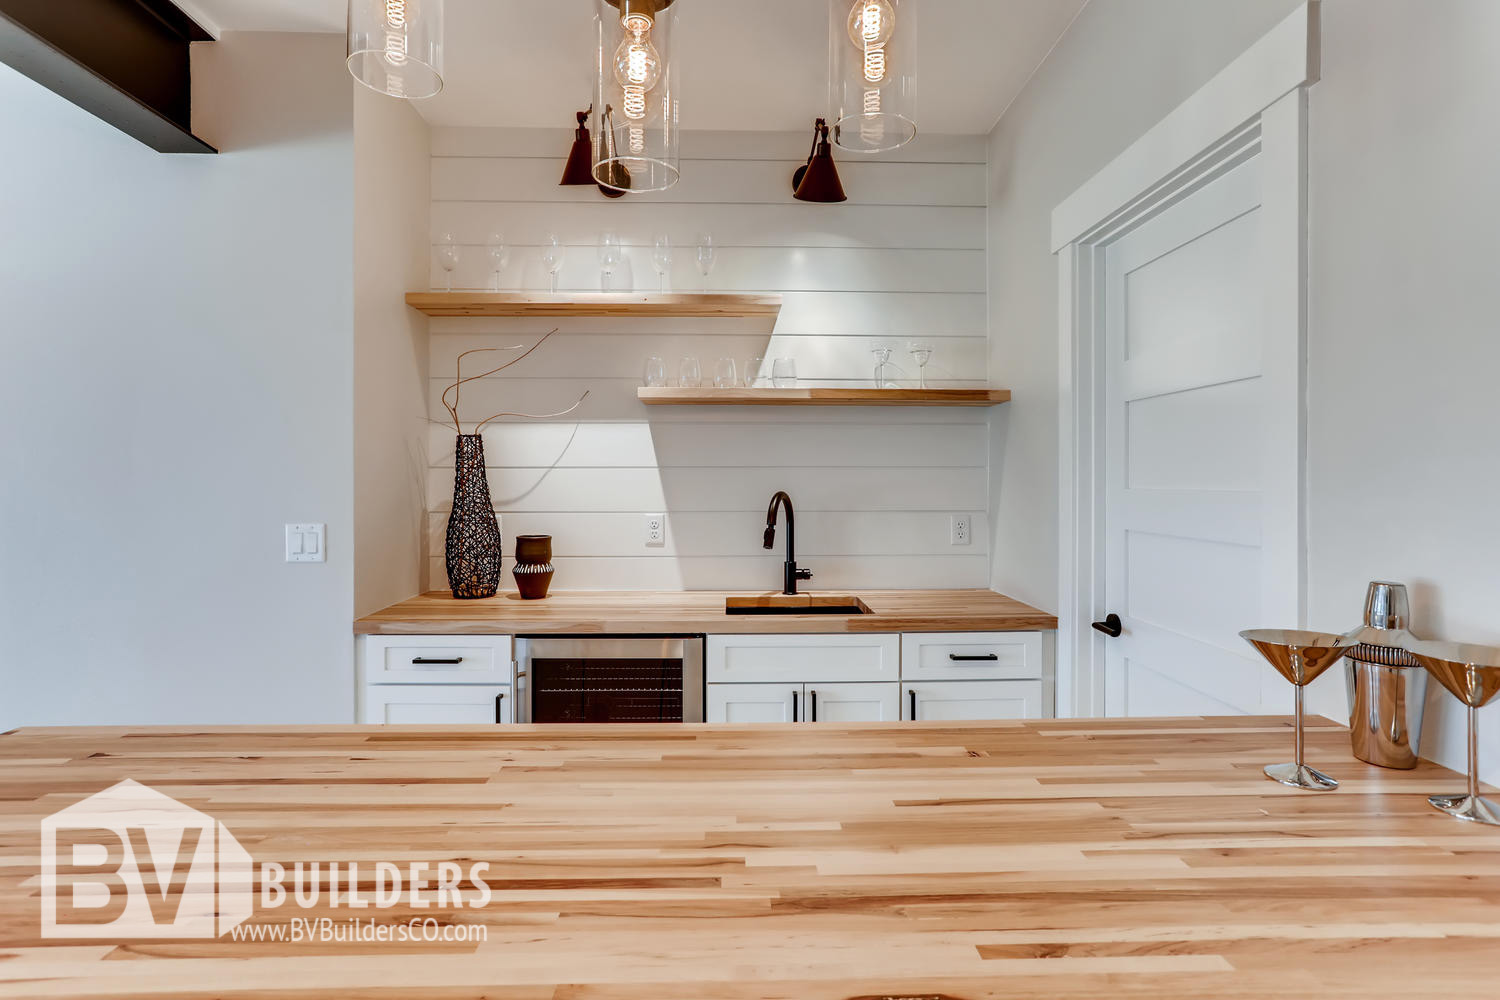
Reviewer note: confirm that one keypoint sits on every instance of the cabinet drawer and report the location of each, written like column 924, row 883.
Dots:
column 954, row 701
column 437, row 705
column 803, row 659
column 440, row 659
column 971, row 656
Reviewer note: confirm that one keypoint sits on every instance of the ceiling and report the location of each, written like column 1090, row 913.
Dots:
column 525, row 62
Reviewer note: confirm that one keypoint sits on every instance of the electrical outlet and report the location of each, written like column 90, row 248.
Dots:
column 656, row 530
column 959, row 530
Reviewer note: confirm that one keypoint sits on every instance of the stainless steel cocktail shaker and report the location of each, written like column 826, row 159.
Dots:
column 1387, row 686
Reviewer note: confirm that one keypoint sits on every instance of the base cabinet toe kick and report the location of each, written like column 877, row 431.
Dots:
column 838, row 678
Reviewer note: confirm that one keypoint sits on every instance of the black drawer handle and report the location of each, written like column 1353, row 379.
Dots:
column 794, row 706
column 499, row 713
column 912, row 693
column 812, row 701
column 967, row 659
column 426, row 661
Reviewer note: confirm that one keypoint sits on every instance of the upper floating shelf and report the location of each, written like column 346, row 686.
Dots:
column 822, row 397
column 704, row 305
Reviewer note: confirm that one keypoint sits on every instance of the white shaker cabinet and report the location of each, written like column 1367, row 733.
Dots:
column 778, row 702
column 436, row 680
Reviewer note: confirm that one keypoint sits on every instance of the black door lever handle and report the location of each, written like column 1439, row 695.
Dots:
column 1110, row 626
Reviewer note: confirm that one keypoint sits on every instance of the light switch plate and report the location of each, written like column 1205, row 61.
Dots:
column 306, row 543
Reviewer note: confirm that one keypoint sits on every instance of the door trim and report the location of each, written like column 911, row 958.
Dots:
column 1255, row 107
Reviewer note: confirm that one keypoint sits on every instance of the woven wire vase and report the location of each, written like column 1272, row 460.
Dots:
column 473, row 532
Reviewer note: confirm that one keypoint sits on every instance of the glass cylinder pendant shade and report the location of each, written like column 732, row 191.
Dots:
column 635, row 105
column 396, row 46
column 872, row 73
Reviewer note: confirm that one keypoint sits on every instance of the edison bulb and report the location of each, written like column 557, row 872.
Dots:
column 871, row 25
column 637, row 66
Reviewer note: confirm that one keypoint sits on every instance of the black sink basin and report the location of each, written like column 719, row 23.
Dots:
column 799, row 604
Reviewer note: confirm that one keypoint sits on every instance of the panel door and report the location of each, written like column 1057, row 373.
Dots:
column 853, row 702
column 1185, row 416
column 737, row 703
column 437, row 704
column 954, row 701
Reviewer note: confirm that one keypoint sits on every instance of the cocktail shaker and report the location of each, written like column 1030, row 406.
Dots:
column 1387, row 686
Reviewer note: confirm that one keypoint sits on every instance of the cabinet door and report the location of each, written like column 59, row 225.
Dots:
column 951, row 701
column 437, row 704
column 972, row 656
column 803, row 659
column 853, row 702
column 435, row 659
column 754, row 703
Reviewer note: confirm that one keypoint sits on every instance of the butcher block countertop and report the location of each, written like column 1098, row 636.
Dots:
column 978, row 861
column 627, row 612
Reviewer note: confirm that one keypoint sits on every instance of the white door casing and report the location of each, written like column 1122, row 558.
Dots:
column 1253, row 112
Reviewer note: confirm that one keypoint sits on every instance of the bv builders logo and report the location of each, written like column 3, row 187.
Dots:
column 130, row 862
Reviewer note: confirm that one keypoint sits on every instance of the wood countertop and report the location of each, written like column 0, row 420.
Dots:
column 978, row 861
column 626, row 612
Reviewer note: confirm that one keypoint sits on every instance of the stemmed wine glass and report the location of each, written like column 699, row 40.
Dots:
column 1300, row 657
column 553, row 255
column 705, row 256
column 448, row 256
column 499, row 256
column 1472, row 675
column 609, row 258
column 921, row 353
column 661, row 259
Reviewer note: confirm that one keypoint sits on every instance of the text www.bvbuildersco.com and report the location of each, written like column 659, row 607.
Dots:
column 325, row 930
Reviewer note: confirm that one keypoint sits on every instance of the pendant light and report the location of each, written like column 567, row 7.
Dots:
column 872, row 73
column 818, row 181
column 579, row 170
column 396, row 46
column 636, row 104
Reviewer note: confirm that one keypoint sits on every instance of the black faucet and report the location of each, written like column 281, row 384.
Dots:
column 790, row 573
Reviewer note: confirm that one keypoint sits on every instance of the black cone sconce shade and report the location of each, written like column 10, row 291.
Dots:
column 818, row 181
column 580, row 167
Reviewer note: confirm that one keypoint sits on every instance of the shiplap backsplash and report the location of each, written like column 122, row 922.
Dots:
column 903, row 259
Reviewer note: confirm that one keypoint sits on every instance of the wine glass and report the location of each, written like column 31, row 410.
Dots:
column 705, row 256
column 610, row 256
column 448, row 256
column 1472, row 675
column 661, row 258
column 726, row 376
column 921, row 353
column 1300, row 657
column 689, row 374
column 553, row 255
column 784, row 373
column 656, row 372
column 499, row 254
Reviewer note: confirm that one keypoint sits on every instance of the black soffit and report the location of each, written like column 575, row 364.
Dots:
column 124, row 61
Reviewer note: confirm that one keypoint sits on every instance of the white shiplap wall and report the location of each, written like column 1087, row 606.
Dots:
column 874, row 488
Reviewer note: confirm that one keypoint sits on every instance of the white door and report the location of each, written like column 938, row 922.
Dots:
column 753, row 703
column 853, row 702
column 1186, row 418
column 953, row 701
column 436, row 704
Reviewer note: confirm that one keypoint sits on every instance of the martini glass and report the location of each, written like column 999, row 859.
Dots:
column 1472, row 675
column 1300, row 657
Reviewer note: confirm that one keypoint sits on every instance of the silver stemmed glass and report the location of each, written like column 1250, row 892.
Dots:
column 1472, row 675
column 1300, row 657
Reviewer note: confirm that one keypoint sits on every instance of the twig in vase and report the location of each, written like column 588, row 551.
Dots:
column 534, row 416
column 455, row 388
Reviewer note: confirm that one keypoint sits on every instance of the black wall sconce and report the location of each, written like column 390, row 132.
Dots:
column 818, row 181
column 580, row 167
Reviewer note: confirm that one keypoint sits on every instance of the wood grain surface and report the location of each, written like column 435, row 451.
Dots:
column 814, row 396
column 706, row 305
column 629, row 612
column 1059, row 859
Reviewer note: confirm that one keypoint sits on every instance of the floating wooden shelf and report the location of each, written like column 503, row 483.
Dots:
column 705, row 305
column 822, row 397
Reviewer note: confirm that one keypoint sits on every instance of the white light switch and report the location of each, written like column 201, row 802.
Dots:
column 304, row 542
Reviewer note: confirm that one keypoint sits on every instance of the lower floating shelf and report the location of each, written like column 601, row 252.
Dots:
column 822, row 397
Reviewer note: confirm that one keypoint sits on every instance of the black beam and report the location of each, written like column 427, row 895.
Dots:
column 124, row 61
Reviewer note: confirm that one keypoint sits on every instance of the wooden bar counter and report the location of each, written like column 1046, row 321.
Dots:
column 1058, row 859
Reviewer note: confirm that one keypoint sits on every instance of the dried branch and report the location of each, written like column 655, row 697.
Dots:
column 534, row 416
column 452, row 408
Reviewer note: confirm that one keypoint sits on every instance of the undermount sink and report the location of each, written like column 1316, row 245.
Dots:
column 796, row 604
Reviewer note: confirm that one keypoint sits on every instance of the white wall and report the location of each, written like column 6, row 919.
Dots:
column 392, row 191
column 175, row 387
column 874, row 488
column 1403, row 460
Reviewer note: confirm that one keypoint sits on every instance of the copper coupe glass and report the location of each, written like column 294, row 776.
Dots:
column 1472, row 675
column 1300, row 657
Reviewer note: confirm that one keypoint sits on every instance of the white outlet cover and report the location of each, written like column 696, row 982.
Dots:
column 960, row 530
column 656, row 530
column 306, row 543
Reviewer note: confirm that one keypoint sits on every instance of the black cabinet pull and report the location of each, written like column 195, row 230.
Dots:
column 912, row 693
column 425, row 661
column 965, row 659
column 1110, row 626
column 812, row 700
column 794, row 706
column 499, row 714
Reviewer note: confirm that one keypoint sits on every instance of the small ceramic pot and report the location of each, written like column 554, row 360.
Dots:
column 533, row 570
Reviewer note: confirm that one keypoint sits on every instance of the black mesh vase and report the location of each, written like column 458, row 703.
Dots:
column 473, row 532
